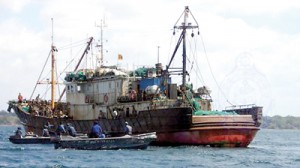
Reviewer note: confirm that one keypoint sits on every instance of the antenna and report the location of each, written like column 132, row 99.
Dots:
column 102, row 24
column 52, row 31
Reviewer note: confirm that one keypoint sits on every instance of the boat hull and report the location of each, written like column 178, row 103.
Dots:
column 173, row 127
column 210, row 136
column 30, row 140
column 126, row 142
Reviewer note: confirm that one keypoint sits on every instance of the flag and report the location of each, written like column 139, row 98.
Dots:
column 120, row 57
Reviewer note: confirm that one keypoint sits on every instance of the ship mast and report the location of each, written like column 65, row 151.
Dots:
column 101, row 59
column 53, row 49
column 184, row 26
column 102, row 25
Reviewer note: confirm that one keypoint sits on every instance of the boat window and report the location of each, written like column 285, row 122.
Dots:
column 78, row 88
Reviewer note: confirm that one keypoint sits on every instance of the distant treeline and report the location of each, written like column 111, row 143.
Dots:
column 8, row 118
column 275, row 122
column 278, row 122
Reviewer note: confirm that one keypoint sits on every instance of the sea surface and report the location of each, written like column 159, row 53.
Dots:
column 270, row 148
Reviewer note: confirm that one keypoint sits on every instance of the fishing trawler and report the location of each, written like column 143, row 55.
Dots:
column 148, row 99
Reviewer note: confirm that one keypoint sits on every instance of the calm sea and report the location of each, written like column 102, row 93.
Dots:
column 270, row 148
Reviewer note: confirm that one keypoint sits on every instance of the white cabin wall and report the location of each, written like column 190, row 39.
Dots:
column 111, row 88
column 76, row 98
column 74, row 94
column 83, row 96
column 83, row 112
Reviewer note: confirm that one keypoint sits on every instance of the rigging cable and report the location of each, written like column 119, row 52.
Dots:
column 75, row 44
column 46, row 91
column 173, row 35
column 57, row 76
column 41, row 74
column 171, row 42
column 195, row 60
column 71, row 62
column 45, row 77
column 92, row 66
column 179, row 18
column 212, row 72
column 197, row 66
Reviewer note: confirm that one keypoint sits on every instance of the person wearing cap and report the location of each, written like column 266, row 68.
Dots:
column 115, row 114
column 18, row 133
column 96, row 131
column 128, row 129
column 71, row 130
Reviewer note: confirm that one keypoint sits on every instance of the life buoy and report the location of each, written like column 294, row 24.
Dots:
column 87, row 99
column 105, row 98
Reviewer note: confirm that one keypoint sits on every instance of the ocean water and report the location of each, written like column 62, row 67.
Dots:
column 270, row 148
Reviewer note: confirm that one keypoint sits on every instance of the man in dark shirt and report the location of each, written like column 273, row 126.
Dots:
column 60, row 129
column 71, row 130
column 96, row 131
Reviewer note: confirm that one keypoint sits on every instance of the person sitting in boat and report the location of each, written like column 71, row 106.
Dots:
column 60, row 129
column 128, row 129
column 18, row 133
column 49, row 125
column 45, row 132
column 20, row 98
column 71, row 130
column 96, row 131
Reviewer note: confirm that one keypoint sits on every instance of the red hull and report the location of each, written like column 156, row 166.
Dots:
column 212, row 136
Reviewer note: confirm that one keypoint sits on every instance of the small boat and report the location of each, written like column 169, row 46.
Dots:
column 140, row 141
column 29, row 139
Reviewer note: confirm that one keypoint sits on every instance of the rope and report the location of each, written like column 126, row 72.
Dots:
column 170, row 46
column 179, row 18
column 40, row 74
column 57, row 76
column 210, row 69
column 75, row 44
column 197, row 67
column 64, row 70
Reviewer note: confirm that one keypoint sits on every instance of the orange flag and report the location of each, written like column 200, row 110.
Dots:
column 120, row 57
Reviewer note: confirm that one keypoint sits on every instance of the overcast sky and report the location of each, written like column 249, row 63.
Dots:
column 250, row 54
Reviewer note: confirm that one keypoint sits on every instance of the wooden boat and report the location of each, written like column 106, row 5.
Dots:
column 30, row 139
column 147, row 99
column 140, row 141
